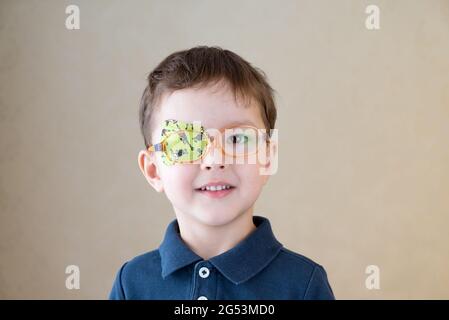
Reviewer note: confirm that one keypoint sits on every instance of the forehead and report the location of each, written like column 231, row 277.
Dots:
column 214, row 106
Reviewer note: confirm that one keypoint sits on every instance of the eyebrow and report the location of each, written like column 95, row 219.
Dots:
column 239, row 123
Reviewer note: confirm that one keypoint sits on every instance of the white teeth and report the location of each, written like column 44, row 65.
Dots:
column 215, row 188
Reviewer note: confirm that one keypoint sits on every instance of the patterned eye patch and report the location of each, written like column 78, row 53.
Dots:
column 184, row 141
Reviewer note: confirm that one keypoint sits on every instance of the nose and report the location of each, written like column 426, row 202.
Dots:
column 214, row 158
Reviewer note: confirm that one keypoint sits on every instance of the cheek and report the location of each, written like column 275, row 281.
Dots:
column 178, row 181
column 250, row 177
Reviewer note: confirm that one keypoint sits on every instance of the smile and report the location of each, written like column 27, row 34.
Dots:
column 215, row 192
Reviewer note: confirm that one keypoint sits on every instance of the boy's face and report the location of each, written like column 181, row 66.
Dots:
column 215, row 107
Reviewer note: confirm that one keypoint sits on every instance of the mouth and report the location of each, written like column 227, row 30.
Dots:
column 216, row 190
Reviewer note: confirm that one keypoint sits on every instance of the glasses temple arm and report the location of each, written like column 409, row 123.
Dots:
column 156, row 147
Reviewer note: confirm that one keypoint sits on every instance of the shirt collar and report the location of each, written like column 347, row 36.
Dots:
column 238, row 264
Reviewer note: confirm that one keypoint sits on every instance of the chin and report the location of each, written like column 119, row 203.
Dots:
column 215, row 219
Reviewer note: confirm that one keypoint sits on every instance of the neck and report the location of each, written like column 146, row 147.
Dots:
column 209, row 241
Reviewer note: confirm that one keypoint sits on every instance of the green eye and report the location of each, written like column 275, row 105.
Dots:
column 238, row 139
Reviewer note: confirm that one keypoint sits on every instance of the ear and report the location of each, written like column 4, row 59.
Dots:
column 148, row 166
column 270, row 166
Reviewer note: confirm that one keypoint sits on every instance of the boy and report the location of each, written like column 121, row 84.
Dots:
column 202, row 110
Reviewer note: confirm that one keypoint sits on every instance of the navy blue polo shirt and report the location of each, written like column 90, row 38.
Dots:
column 258, row 267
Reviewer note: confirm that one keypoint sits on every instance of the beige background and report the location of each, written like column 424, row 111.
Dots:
column 363, row 125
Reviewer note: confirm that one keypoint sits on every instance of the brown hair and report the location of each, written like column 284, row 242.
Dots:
column 200, row 66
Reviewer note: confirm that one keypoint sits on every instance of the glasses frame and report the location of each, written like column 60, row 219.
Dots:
column 161, row 146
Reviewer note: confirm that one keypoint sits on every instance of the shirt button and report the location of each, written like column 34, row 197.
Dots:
column 202, row 298
column 204, row 272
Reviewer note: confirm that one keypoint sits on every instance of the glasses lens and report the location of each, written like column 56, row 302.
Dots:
column 240, row 141
column 185, row 146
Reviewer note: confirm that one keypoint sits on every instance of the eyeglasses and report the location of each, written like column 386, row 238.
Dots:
column 185, row 143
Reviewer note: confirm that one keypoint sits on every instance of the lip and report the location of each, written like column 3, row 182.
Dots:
column 215, row 183
column 215, row 194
